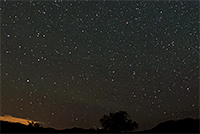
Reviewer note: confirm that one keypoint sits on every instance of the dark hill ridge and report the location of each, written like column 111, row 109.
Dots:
column 8, row 127
column 179, row 126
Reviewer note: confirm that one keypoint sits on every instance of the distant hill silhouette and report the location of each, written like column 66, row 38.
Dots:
column 179, row 126
column 8, row 127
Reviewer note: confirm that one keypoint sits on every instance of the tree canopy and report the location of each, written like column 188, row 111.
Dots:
column 118, row 122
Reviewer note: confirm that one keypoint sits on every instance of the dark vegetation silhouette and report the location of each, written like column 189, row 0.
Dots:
column 118, row 122
column 179, row 126
column 33, row 124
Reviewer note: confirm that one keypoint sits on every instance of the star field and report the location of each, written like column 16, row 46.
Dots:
column 67, row 63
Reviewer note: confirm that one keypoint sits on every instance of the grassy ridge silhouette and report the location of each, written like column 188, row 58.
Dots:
column 179, row 126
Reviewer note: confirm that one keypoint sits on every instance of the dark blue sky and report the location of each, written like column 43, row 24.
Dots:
column 69, row 63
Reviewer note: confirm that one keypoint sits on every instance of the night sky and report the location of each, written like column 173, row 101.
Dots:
column 67, row 63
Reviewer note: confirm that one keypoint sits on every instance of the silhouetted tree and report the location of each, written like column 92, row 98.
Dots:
column 33, row 124
column 118, row 122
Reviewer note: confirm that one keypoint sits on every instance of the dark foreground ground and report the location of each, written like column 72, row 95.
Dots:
column 180, row 126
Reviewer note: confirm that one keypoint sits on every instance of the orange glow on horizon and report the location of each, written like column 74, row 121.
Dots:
column 16, row 120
